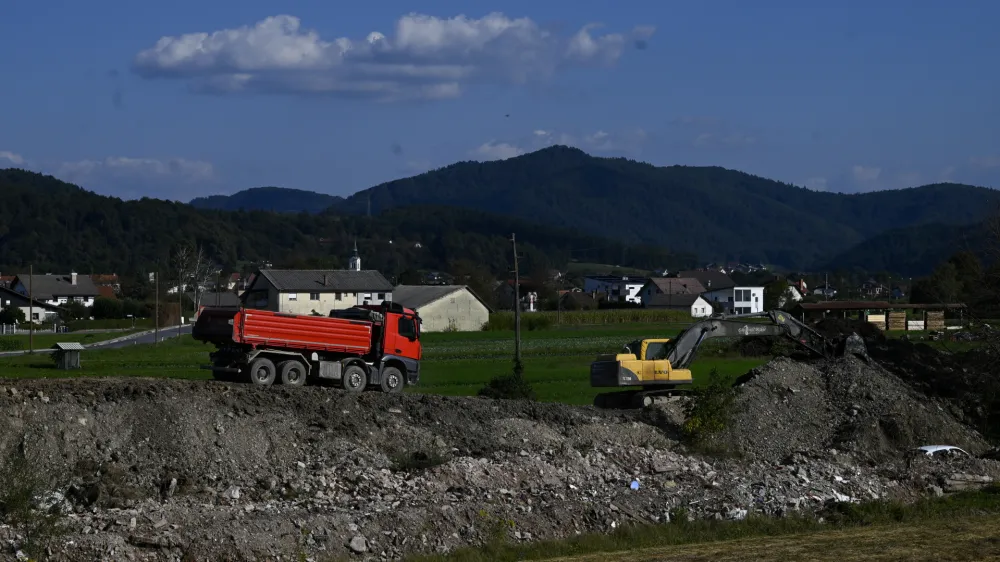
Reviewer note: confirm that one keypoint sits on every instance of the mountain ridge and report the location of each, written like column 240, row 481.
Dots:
column 717, row 213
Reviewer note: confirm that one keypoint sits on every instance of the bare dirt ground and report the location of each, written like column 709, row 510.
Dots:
column 189, row 470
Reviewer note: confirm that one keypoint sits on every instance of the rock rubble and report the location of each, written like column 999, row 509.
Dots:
column 165, row 469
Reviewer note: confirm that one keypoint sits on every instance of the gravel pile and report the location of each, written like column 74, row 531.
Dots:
column 171, row 470
column 847, row 404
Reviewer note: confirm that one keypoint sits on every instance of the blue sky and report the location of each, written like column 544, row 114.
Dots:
column 847, row 96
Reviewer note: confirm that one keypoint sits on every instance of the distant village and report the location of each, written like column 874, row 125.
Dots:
column 446, row 303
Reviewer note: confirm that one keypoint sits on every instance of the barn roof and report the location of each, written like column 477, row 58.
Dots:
column 416, row 296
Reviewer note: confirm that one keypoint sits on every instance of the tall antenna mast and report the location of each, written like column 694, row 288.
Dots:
column 517, row 305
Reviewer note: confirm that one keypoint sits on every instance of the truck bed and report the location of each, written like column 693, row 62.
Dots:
column 264, row 328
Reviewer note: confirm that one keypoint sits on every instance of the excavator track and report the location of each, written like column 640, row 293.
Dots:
column 635, row 399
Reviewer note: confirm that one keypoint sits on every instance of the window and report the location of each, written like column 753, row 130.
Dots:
column 314, row 296
column 339, row 296
column 407, row 327
column 381, row 296
column 293, row 296
column 742, row 295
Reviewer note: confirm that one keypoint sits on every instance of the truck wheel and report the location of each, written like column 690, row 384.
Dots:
column 354, row 379
column 262, row 372
column 392, row 380
column 293, row 373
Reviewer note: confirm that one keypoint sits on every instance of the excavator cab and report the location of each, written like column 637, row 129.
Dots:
column 642, row 362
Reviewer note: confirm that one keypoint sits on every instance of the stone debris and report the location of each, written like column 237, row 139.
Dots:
column 169, row 469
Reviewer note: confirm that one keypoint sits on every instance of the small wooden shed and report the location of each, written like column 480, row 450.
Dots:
column 67, row 355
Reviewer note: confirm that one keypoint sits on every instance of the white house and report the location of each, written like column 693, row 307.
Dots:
column 444, row 307
column 791, row 294
column 314, row 291
column 724, row 295
column 617, row 288
column 37, row 311
column 57, row 290
column 695, row 304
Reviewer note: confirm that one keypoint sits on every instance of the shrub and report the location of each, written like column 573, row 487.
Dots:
column 509, row 387
column 708, row 410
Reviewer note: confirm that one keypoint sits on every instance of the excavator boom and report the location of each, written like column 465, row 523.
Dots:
column 661, row 366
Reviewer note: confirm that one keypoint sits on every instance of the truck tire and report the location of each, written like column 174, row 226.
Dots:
column 354, row 379
column 392, row 380
column 262, row 372
column 293, row 373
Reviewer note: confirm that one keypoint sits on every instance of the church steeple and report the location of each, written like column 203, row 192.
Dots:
column 355, row 263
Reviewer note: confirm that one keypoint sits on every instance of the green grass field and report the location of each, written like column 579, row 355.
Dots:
column 556, row 361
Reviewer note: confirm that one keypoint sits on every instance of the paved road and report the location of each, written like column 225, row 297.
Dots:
column 165, row 333
column 123, row 341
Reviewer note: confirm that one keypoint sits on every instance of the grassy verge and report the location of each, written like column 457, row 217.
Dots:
column 557, row 363
column 175, row 358
column 958, row 527
column 43, row 341
column 111, row 324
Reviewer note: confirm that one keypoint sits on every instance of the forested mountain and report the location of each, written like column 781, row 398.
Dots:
column 56, row 226
column 916, row 250
column 718, row 214
column 277, row 199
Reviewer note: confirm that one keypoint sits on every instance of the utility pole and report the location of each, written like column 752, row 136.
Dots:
column 517, row 305
column 31, row 310
column 156, row 313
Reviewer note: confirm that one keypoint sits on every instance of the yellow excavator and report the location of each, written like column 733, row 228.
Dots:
column 659, row 367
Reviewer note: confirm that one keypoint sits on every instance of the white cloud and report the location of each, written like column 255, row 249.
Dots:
column 598, row 141
column 427, row 57
column 816, row 184
column 132, row 168
column 130, row 178
column 497, row 151
column 865, row 173
column 985, row 161
column 8, row 156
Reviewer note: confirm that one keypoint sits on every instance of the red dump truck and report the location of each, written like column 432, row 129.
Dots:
column 364, row 347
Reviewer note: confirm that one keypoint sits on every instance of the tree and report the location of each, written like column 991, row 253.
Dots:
column 12, row 315
column 773, row 293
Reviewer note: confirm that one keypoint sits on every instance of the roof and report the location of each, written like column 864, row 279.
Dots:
column 844, row 305
column 326, row 280
column 416, row 296
column 106, row 291
column 220, row 298
column 68, row 346
column 21, row 300
column 678, row 285
column 630, row 279
column 47, row 286
column 682, row 300
column 711, row 280
column 104, row 278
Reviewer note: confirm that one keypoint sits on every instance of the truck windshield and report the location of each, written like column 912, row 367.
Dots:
column 407, row 327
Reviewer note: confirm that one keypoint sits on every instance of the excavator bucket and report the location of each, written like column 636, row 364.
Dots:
column 854, row 345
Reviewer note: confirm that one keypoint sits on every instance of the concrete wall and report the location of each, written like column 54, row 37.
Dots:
column 459, row 309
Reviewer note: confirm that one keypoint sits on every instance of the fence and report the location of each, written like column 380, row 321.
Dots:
column 15, row 329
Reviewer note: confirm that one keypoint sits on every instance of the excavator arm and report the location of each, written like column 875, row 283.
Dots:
column 682, row 349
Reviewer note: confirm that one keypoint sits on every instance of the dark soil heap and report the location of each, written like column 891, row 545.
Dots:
column 847, row 404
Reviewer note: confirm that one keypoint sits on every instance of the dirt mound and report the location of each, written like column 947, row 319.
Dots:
column 838, row 328
column 966, row 380
column 847, row 405
column 167, row 469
